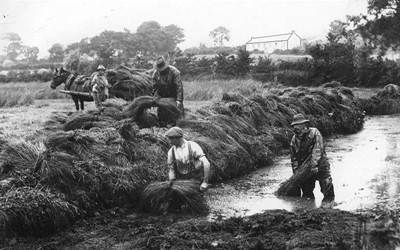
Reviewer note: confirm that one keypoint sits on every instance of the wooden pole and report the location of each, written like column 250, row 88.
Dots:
column 69, row 92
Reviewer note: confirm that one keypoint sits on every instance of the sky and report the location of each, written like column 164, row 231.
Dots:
column 42, row 23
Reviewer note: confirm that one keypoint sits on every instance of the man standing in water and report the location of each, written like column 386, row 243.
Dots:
column 168, row 85
column 186, row 159
column 307, row 145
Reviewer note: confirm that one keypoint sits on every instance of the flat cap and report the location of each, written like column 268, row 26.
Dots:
column 174, row 132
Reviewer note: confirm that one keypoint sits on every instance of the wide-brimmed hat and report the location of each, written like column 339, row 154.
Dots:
column 299, row 119
column 101, row 67
column 174, row 132
column 161, row 64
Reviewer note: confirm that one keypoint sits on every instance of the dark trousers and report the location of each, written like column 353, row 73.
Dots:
column 325, row 181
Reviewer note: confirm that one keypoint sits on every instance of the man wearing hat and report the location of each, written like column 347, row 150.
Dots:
column 99, row 85
column 186, row 159
column 307, row 145
column 167, row 84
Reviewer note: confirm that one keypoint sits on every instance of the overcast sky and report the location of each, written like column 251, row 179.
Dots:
column 45, row 22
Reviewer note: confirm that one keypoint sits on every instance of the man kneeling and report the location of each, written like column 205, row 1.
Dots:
column 186, row 159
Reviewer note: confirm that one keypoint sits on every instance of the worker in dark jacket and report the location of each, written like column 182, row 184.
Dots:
column 307, row 145
column 167, row 84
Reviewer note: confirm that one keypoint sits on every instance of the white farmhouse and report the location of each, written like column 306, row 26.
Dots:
column 270, row 43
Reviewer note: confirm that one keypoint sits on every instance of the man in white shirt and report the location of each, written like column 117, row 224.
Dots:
column 186, row 159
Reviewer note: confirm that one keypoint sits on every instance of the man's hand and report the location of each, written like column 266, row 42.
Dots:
column 314, row 170
column 203, row 186
column 295, row 166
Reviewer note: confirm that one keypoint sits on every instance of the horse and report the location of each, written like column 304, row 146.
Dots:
column 78, row 83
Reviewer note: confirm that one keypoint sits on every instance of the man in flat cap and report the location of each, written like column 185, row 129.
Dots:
column 186, row 159
column 167, row 84
column 307, row 145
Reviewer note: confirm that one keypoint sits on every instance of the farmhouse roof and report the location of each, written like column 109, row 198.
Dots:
column 272, row 38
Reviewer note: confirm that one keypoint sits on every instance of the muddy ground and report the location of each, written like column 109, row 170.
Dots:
column 275, row 229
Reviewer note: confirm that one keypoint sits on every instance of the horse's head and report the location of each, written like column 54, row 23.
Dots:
column 60, row 76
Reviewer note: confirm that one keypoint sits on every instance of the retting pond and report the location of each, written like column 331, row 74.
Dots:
column 365, row 170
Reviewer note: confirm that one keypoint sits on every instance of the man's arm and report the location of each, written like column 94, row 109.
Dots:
column 293, row 158
column 155, row 86
column 317, row 151
column 206, row 168
column 106, row 83
column 179, row 87
column 201, row 161
column 171, row 167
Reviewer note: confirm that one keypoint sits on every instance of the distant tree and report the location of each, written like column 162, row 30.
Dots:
column 11, row 36
column 382, row 24
column 31, row 54
column 174, row 36
column 112, row 47
column 14, row 50
column 151, row 37
column 56, row 53
column 14, row 47
column 219, row 35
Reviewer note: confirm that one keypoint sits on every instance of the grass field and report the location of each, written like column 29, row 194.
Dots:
column 22, row 94
column 213, row 89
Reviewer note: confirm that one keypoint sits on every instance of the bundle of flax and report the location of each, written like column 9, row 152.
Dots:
column 289, row 187
column 181, row 196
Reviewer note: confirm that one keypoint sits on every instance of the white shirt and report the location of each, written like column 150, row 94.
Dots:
column 182, row 152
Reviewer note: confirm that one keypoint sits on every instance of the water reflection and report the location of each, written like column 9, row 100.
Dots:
column 365, row 172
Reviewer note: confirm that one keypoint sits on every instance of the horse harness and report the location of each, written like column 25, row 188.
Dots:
column 79, row 80
column 70, row 79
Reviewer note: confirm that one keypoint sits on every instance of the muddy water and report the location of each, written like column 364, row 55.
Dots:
column 365, row 170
